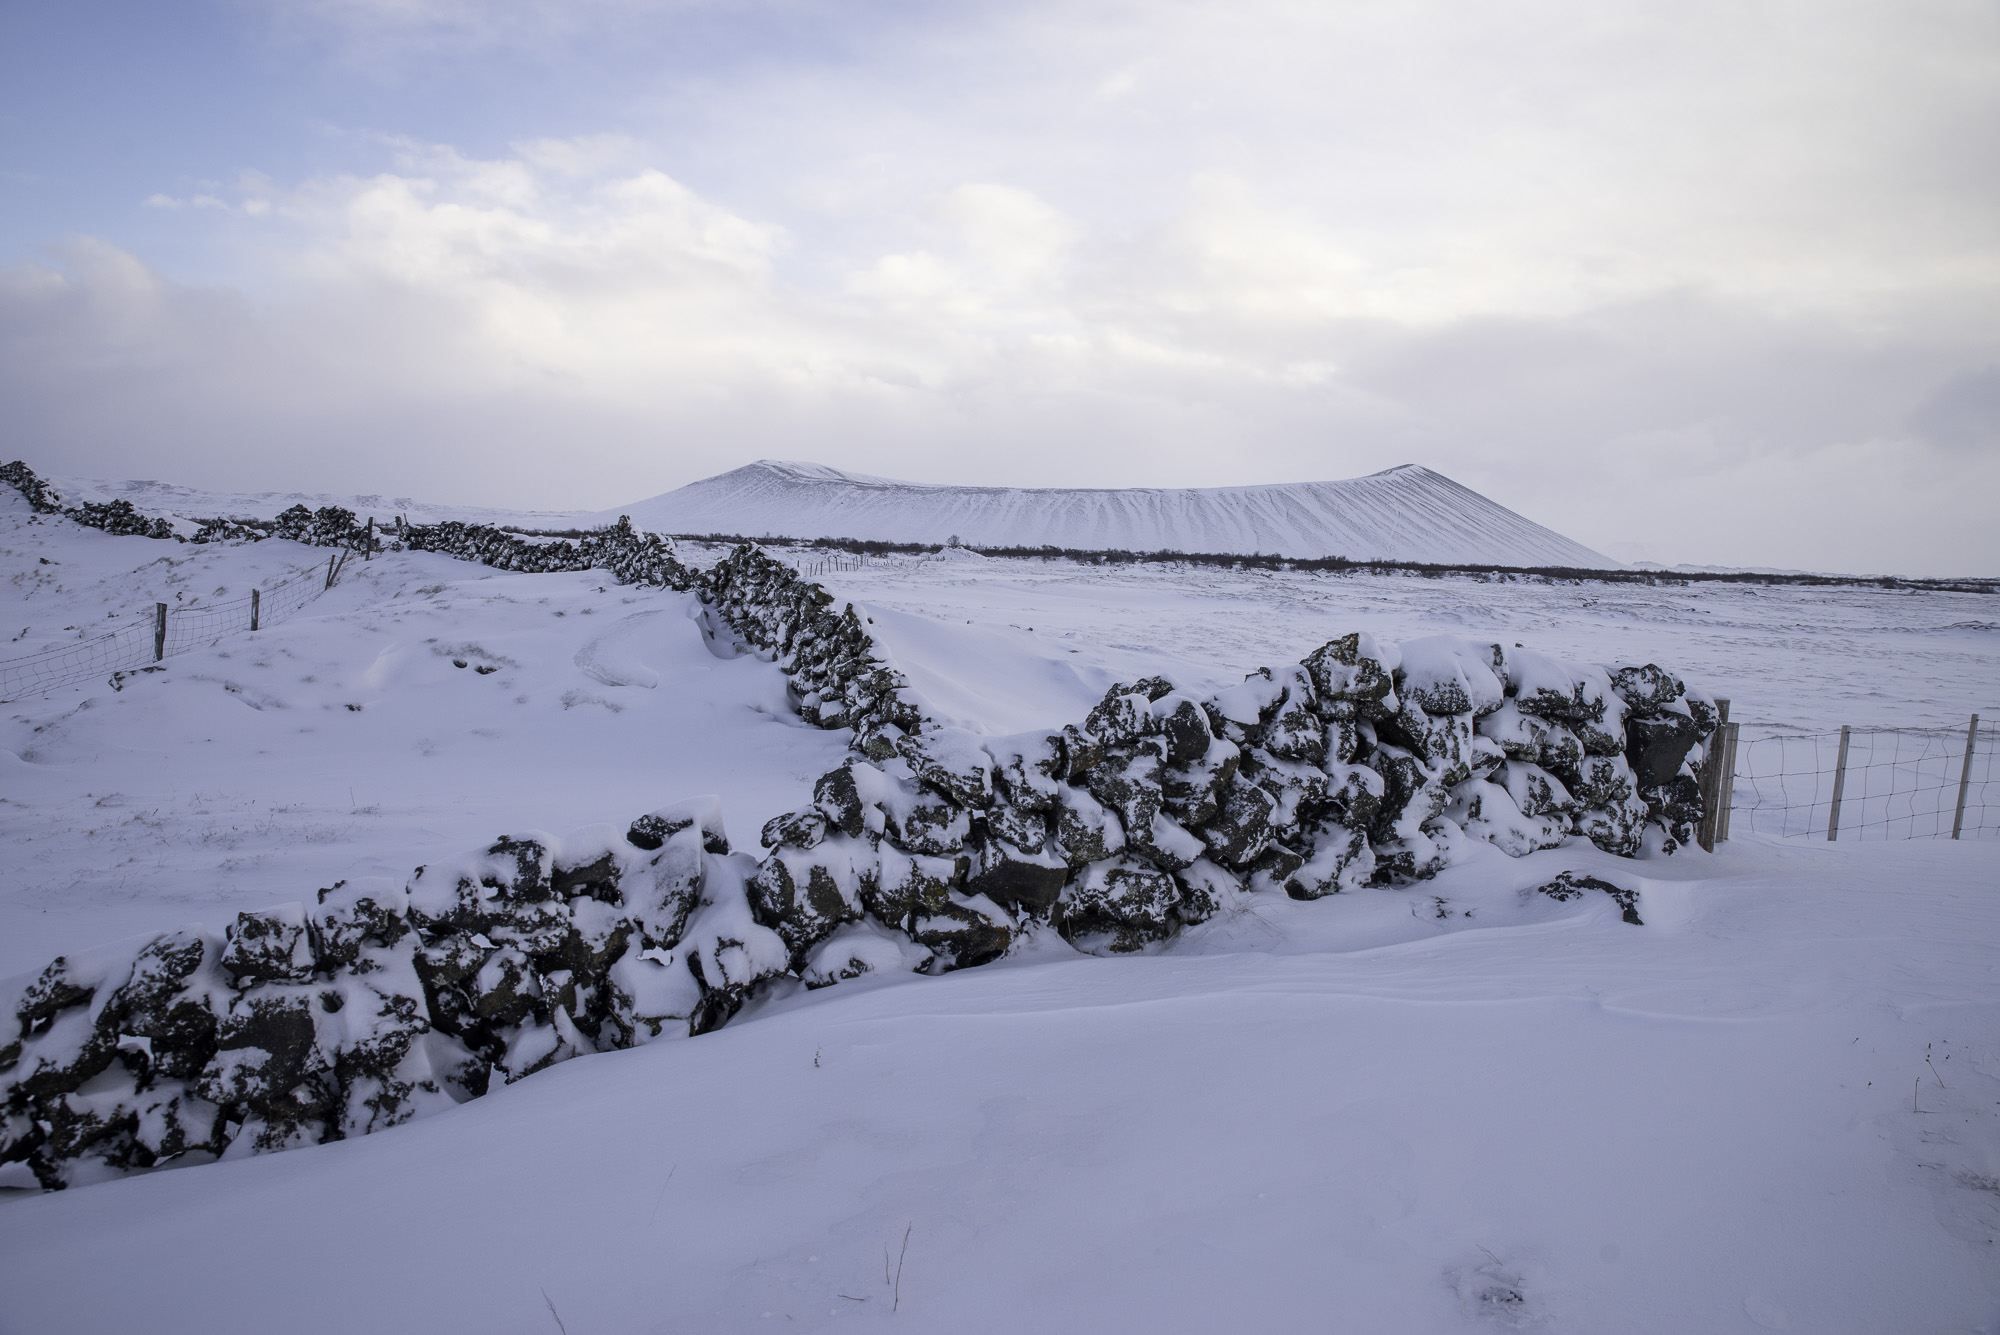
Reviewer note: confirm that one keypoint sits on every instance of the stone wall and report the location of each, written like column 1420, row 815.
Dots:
column 930, row 848
column 631, row 556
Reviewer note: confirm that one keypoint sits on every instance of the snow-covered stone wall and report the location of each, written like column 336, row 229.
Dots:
column 931, row 848
column 1363, row 764
column 631, row 556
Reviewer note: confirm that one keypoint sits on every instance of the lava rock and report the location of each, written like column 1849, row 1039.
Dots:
column 1014, row 876
column 1341, row 859
column 909, row 886
column 803, row 894
column 1352, row 669
column 953, row 762
column 271, row 946
column 1571, row 885
column 1124, row 902
column 1085, row 830
column 797, row 829
column 1242, row 825
column 1121, row 716
column 1646, row 690
column 1028, row 769
column 963, row 932
column 1659, row 746
column 1614, row 827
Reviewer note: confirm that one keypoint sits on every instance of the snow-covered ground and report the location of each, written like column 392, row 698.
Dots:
column 347, row 741
column 1785, row 655
column 1401, row 514
column 1454, row 1107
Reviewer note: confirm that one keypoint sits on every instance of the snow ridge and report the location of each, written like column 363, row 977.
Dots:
column 1406, row 513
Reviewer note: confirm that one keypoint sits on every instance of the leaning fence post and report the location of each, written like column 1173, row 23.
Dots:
column 1839, row 782
column 329, row 571
column 159, row 631
column 256, row 605
column 1964, row 777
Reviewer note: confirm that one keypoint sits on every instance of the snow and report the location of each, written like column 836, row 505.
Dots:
column 1459, row 1106
column 1809, row 658
column 1407, row 513
column 1337, row 1114
column 345, row 743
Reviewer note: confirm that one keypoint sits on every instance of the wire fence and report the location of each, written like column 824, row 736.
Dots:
column 833, row 565
column 1869, row 783
column 147, row 639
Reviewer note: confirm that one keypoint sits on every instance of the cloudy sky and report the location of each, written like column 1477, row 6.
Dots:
column 1713, row 282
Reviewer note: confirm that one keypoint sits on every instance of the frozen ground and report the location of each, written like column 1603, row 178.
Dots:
column 1449, row 1108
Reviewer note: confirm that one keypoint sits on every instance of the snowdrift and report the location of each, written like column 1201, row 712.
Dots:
column 1402, row 514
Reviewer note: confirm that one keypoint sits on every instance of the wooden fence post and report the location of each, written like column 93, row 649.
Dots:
column 159, row 631
column 1964, row 777
column 1707, row 832
column 1728, row 781
column 1709, row 780
column 369, row 553
column 1839, row 783
column 256, row 606
column 329, row 571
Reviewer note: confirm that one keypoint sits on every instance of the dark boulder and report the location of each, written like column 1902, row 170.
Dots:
column 1658, row 746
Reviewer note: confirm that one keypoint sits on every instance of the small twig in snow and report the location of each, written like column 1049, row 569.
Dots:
column 663, row 1194
column 899, row 1271
column 552, row 1312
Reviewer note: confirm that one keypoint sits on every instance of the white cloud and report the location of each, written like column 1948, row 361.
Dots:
column 519, row 329
column 158, row 201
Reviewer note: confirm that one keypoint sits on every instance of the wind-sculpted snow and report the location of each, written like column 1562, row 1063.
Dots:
column 931, row 848
column 1402, row 514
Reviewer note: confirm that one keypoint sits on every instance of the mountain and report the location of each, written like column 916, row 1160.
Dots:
column 1406, row 513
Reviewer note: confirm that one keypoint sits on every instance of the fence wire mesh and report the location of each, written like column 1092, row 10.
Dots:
column 135, row 645
column 832, row 565
column 1897, row 783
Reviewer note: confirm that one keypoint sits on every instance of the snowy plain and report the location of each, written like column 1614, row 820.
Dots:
column 1786, row 655
column 1459, row 1106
